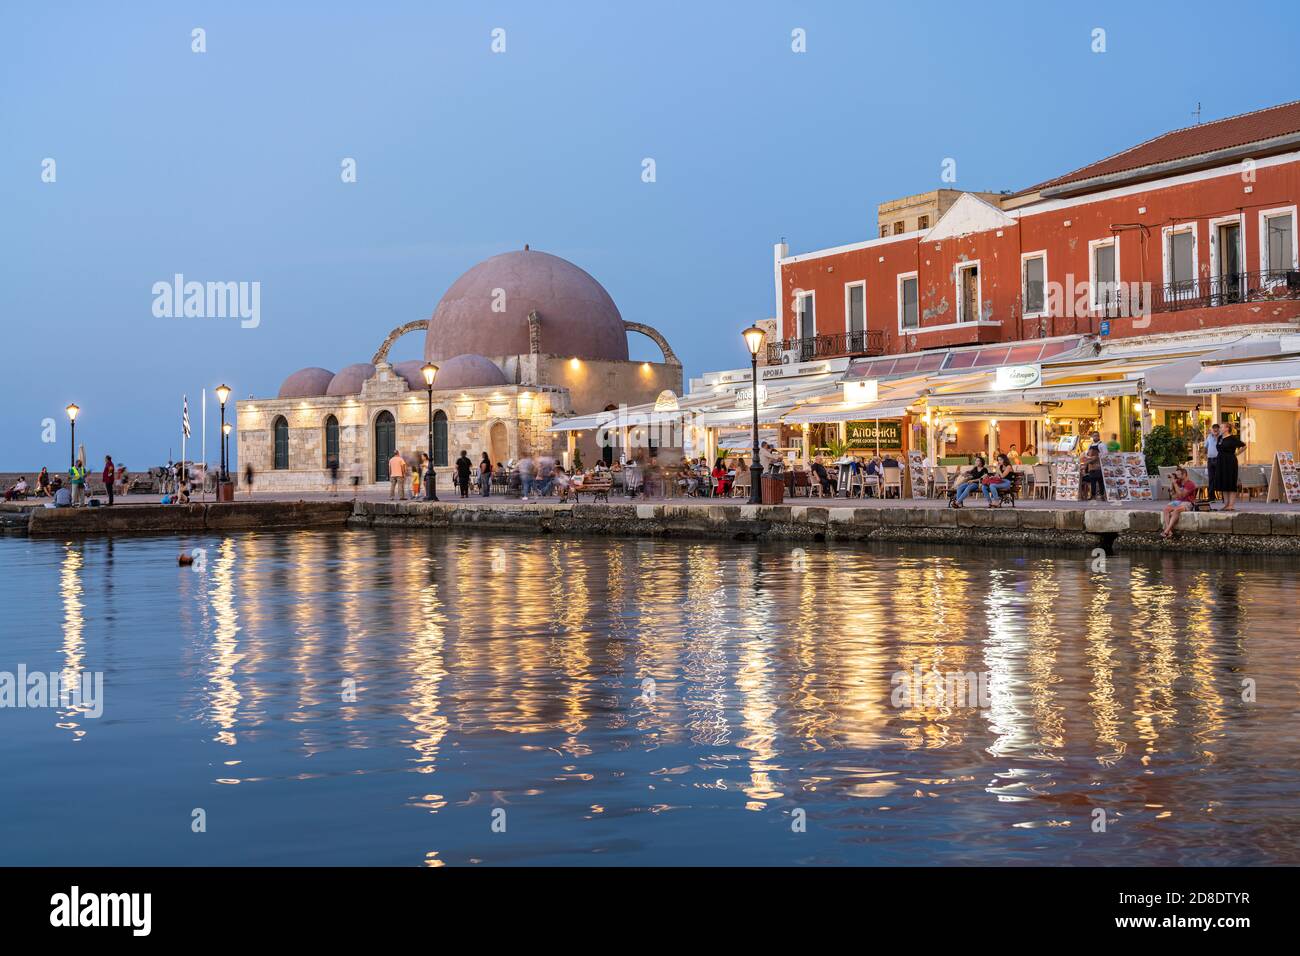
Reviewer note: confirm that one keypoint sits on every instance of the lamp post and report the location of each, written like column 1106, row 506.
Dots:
column 430, row 371
column 72, row 418
column 753, row 337
column 225, row 449
column 223, row 393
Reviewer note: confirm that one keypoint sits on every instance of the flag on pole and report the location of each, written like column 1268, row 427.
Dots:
column 185, row 415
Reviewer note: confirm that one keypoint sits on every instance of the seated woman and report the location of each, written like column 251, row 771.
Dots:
column 43, row 483
column 971, row 482
column 993, row 489
column 1182, row 495
column 722, row 477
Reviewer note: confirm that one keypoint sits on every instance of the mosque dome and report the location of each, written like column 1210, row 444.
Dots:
column 468, row 371
column 349, row 380
column 578, row 317
column 410, row 370
column 306, row 383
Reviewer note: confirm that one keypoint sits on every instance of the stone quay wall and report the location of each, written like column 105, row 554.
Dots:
column 1112, row 529
column 1242, row 532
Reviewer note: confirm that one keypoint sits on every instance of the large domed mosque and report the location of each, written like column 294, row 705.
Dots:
column 521, row 340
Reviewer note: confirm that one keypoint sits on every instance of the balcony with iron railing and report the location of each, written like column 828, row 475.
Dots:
column 862, row 342
column 1232, row 289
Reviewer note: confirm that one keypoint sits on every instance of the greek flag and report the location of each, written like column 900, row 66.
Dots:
column 185, row 415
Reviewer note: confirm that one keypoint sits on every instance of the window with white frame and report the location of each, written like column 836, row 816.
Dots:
column 855, row 306
column 1033, row 281
column 1277, row 242
column 968, row 292
column 1180, row 261
column 1103, row 273
column 909, row 312
column 806, row 311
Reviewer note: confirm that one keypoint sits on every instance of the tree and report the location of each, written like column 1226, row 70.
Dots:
column 1162, row 448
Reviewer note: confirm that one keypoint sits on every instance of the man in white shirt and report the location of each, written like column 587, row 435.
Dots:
column 1212, row 458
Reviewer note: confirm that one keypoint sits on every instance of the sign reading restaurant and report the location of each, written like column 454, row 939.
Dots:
column 887, row 433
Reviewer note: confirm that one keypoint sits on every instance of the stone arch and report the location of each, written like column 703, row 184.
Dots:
column 382, row 355
column 655, row 336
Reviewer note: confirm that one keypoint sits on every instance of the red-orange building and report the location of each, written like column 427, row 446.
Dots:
column 1193, row 230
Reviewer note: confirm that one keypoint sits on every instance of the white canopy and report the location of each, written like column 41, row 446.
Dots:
column 1281, row 375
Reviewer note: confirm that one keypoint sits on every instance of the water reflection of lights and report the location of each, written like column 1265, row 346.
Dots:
column 74, row 623
column 224, row 696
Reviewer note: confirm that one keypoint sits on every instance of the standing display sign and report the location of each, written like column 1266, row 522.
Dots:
column 1066, row 468
column 1124, row 474
column 916, row 472
column 1284, row 482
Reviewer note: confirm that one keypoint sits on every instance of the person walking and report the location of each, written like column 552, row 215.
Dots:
column 77, row 478
column 248, row 479
column 485, row 476
column 463, row 469
column 1225, row 475
column 396, row 476
column 1092, row 476
column 334, row 476
column 110, row 477
column 1212, row 459
column 526, row 471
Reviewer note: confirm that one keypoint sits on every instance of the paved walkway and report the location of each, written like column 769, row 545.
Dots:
column 1257, row 505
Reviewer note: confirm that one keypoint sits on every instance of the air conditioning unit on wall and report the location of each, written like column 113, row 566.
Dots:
column 790, row 357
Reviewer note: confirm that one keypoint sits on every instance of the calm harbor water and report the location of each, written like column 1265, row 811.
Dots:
column 506, row 673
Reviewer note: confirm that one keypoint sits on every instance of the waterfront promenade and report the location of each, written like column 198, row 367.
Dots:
column 1256, row 528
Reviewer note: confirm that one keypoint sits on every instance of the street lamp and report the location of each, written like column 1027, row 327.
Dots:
column 430, row 371
column 753, row 337
column 72, row 417
column 223, row 393
column 225, row 448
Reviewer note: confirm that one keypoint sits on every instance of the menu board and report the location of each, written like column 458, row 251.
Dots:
column 1125, row 476
column 1284, row 483
column 1066, row 468
column 916, row 472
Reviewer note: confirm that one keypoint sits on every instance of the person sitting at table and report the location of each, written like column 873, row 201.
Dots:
column 971, row 482
column 722, row 477
column 1182, row 497
column 993, row 489
column 821, row 476
column 889, row 461
column 1014, row 455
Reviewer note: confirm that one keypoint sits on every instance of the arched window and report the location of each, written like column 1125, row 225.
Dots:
column 440, row 438
column 385, row 443
column 331, row 441
column 281, row 430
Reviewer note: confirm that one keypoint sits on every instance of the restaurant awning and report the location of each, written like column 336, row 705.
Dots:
column 820, row 414
column 1279, row 375
column 1029, row 396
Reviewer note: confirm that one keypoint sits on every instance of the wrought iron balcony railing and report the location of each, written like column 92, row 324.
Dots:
column 864, row 342
column 1230, row 289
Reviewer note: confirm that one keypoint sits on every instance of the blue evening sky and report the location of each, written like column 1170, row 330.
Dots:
column 225, row 165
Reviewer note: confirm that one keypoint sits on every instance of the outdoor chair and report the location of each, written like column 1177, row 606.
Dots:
column 893, row 480
column 940, row 480
column 1042, row 482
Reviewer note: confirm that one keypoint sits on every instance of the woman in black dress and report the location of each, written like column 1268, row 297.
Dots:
column 1225, row 475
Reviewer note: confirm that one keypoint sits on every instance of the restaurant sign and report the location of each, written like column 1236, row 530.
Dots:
column 1017, row 376
column 887, row 433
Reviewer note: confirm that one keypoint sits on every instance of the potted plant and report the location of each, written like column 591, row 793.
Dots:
column 1163, row 449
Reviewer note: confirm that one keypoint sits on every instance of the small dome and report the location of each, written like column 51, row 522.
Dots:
column 306, row 383
column 410, row 371
column 467, row 371
column 349, row 380
column 485, row 312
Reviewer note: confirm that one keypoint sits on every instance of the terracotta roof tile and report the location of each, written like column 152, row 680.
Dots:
column 1191, row 141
